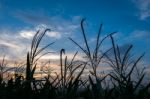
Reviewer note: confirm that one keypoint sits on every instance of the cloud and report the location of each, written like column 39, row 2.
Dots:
column 56, row 23
column 11, row 45
column 56, row 56
column 27, row 34
column 18, row 44
column 37, row 17
column 61, row 28
column 143, row 6
column 54, row 34
column 139, row 34
column 31, row 17
column 12, row 50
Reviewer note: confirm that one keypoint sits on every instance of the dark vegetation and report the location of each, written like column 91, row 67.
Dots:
column 119, row 83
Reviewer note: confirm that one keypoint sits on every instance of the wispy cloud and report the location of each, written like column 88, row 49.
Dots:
column 54, row 34
column 16, row 46
column 56, row 56
column 11, row 47
column 27, row 34
column 60, row 27
column 31, row 17
column 6, row 43
column 40, row 17
column 139, row 34
column 144, row 8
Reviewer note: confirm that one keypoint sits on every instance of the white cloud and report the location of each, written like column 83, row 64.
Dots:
column 54, row 34
column 15, row 47
column 139, row 34
column 56, row 23
column 27, row 34
column 144, row 8
column 11, row 45
column 144, row 15
column 57, row 56
column 18, row 42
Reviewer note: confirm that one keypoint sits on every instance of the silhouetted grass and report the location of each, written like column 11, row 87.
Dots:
column 119, row 83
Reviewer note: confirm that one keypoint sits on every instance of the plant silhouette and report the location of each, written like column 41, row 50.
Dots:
column 70, row 83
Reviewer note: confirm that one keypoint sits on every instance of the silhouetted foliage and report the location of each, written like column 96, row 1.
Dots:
column 119, row 83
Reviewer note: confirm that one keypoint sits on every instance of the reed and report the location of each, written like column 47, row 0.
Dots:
column 69, row 83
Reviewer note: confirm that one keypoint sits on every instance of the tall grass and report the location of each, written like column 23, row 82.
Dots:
column 69, row 82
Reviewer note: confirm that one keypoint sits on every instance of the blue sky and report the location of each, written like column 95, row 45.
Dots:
column 20, row 19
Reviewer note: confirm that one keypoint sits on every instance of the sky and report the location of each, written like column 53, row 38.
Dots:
column 20, row 19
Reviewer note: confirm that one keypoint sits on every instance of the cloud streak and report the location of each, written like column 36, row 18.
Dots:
column 16, row 46
column 60, row 27
column 139, row 35
column 143, row 6
column 12, row 46
column 28, row 34
column 54, row 34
